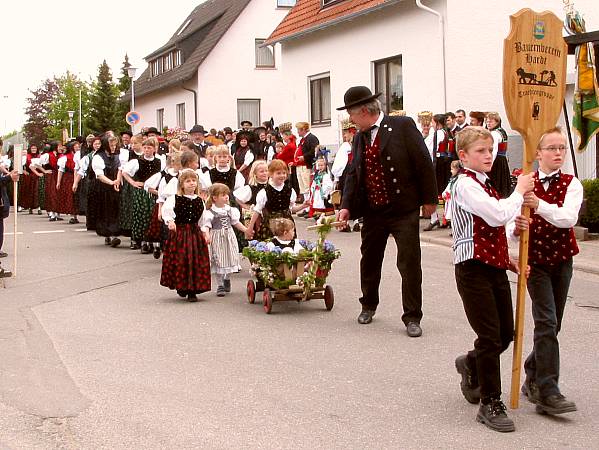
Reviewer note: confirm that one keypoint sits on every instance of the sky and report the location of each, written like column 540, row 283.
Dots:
column 41, row 39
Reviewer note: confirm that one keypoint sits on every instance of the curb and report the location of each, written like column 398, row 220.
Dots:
column 579, row 266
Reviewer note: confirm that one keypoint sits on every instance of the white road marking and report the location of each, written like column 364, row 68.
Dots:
column 48, row 232
column 12, row 234
column 80, row 229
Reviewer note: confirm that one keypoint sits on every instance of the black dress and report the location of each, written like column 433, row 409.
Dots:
column 107, row 199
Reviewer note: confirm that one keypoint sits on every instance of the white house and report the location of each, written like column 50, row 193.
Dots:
column 439, row 57
column 214, row 70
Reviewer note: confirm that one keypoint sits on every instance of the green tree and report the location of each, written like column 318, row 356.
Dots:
column 67, row 99
column 124, row 86
column 104, row 98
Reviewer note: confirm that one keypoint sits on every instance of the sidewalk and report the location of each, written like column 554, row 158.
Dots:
column 586, row 261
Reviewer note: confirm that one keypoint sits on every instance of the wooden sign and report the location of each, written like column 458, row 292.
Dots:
column 534, row 85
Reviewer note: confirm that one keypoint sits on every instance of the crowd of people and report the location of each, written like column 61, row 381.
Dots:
column 196, row 198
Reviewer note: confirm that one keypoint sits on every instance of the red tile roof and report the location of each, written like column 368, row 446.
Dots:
column 309, row 15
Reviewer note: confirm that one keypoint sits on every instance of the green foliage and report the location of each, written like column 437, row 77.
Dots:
column 104, row 98
column 124, row 85
column 590, row 218
column 66, row 99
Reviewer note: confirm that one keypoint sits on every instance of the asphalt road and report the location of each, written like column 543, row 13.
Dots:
column 95, row 354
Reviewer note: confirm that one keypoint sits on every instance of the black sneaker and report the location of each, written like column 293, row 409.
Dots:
column 494, row 416
column 227, row 285
column 469, row 385
column 555, row 404
column 531, row 391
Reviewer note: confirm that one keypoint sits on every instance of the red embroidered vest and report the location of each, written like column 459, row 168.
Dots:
column 548, row 244
column 374, row 175
column 490, row 243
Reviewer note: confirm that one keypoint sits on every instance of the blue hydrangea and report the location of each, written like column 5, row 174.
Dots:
column 329, row 246
column 252, row 243
column 276, row 250
column 261, row 247
column 303, row 243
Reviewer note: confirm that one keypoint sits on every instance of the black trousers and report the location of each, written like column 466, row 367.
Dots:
column 548, row 289
column 375, row 232
column 487, row 299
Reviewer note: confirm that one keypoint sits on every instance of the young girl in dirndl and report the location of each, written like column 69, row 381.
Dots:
column 186, row 261
column 67, row 203
column 217, row 225
column 246, row 195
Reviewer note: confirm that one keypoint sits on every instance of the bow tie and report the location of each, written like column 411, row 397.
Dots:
column 550, row 178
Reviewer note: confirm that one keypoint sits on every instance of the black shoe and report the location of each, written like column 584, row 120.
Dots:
column 30, row 211
column 413, row 329
column 3, row 255
column 531, row 391
column 181, row 294
column 227, row 285
column 192, row 298
column 469, row 385
column 52, row 219
column 107, row 241
column 132, row 245
column 431, row 226
column 115, row 242
column 145, row 249
column 366, row 316
column 494, row 416
column 356, row 227
column 5, row 273
column 555, row 404
column 39, row 212
column 220, row 291
column 73, row 221
column 157, row 253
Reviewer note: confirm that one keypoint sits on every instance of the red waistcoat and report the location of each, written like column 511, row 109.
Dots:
column 374, row 175
column 548, row 244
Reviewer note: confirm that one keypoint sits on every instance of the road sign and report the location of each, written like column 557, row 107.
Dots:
column 133, row 117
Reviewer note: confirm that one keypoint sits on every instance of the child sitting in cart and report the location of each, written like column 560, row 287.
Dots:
column 283, row 230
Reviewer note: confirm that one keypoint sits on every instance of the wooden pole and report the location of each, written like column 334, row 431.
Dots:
column 534, row 85
column 15, row 196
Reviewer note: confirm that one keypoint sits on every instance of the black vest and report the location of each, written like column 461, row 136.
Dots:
column 188, row 210
column 227, row 178
column 278, row 200
column 147, row 169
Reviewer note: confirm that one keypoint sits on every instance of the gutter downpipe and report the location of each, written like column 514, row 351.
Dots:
column 442, row 30
column 195, row 103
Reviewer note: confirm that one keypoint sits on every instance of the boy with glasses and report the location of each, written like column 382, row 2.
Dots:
column 554, row 204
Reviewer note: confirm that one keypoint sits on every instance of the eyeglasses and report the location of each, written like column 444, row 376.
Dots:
column 561, row 149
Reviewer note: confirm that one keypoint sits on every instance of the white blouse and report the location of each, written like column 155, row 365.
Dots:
column 208, row 216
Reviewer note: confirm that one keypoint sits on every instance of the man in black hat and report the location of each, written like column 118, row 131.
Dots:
column 246, row 125
column 391, row 175
column 162, row 146
column 126, row 139
column 197, row 135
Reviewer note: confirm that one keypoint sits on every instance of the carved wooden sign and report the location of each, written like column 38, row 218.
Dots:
column 534, row 75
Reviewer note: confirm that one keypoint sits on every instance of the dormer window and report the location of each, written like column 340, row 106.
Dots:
column 326, row 3
column 165, row 62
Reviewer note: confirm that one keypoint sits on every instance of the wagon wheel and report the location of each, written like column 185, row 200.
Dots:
column 267, row 301
column 251, row 291
column 329, row 297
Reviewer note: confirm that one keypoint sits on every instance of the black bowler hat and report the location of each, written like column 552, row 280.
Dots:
column 197, row 129
column 152, row 130
column 357, row 95
column 127, row 133
column 246, row 122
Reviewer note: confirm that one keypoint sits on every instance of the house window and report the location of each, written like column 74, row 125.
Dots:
column 167, row 62
column 285, row 3
column 181, row 115
column 265, row 56
column 320, row 100
column 155, row 67
column 329, row 2
column 388, row 80
column 248, row 109
column 177, row 58
column 160, row 119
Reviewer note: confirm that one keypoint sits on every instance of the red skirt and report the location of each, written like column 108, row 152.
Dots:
column 51, row 192
column 67, row 202
column 186, row 262
column 28, row 195
column 154, row 232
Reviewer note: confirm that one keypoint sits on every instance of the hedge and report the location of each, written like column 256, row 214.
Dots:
column 590, row 217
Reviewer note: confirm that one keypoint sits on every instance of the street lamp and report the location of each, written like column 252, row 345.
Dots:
column 131, row 73
column 71, row 114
